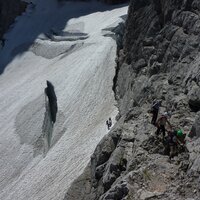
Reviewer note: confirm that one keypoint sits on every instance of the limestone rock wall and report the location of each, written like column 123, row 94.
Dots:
column 161, row 39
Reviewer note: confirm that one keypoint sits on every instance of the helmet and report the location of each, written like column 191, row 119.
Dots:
column 165, row 114
column 179, row 132
column 169, row 114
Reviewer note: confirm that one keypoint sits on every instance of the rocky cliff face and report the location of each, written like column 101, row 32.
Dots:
column 9, row 10
column 160, row 59
column 161, row 41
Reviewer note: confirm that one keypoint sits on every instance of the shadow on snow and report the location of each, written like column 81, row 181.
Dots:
column 48, row 21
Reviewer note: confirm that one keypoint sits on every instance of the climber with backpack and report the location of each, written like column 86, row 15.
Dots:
column 154, row 110
column 110, row 122
column 174, row 143
column 161, row 124
column 181, row 141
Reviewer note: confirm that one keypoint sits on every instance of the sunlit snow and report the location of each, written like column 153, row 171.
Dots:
column 63, row 43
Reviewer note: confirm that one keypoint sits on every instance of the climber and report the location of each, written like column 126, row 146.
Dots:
column 154, row 110
column 180, row 137
column 107, row 123
column 110, row 122
column 175, row 142
column 161, row 124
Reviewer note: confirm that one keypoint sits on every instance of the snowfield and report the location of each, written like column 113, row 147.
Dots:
column 63, row 43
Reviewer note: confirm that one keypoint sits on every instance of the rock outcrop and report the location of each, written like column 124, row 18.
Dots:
column 9, row 10
column 52, row 99
column 159, row 59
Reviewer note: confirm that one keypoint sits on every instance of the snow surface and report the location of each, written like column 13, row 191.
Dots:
column 62, row 43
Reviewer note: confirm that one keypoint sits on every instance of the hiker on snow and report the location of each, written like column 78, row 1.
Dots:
column 109, row 123
column 154, row 110
column 174, row 140
column 161, row 124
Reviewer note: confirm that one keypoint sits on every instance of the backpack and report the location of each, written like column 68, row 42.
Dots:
column 155, row 105
column 172, row 139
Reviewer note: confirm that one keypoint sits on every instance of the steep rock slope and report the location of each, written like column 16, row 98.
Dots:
column 160, row 59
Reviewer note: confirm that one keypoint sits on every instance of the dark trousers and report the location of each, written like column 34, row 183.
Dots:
column 154, row 117
column 173, row 151
column 161, row 128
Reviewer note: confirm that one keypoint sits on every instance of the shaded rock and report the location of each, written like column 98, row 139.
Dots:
column 194, row 98
column 196, row 165
column 99, row 171
column 148, row 41
column 194, row 149
column 50, row 92
column 139, row 64
column 155, row 68
column 132, row 114
column 117, row 163
column 106, row 147
column 9, row 10
column 195, row 131
column 117, row 193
